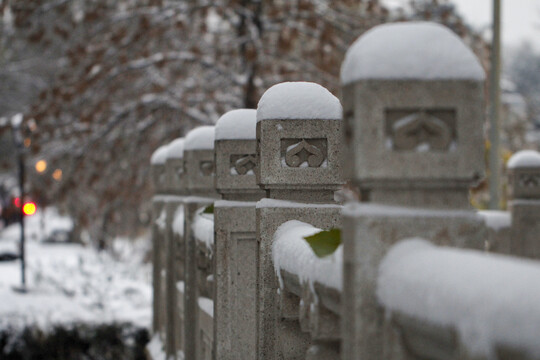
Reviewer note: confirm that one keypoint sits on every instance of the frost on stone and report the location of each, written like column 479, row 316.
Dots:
column 201, row 138
column 175, row 150
column 292, row 253
column 524, row 158
column 410, row 50
column 159, row 156
column 490, row 300
column 237, row 125
column 298, row 100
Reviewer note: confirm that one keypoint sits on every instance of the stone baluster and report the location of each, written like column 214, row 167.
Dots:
column 524, row 184
column 235, row 236
column 175, row 183
column 199, row 167
column 299, row 150
column 413, row 117
column 157, row 163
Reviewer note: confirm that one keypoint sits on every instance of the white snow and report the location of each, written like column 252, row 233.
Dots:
column 175, row 150
column 298, row 100
column 70, row 283
column 203, row 228
column 410, row 50
column 155, row 348
column 161, row 220
column 372, row 209
column 201, row 138
column 159, row 156
column 268, row 203
column 292, row 253
column 489, row 299
column 524, row 158
column 237, row 124
column 229, row 203
column 178, row 221
column 496, row 219
column 39, row 226
column 206, row 305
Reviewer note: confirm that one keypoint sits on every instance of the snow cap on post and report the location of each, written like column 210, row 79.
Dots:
column 237, row 124
column 159, row 156
column 410, row 50
column 174, row 167
column 413, row 105
column 175, row 150
column 200, row 138
column 236, row 155
column 298, row 100
column 524, row 175
column 157, row 160
column 299, row 132
column 199, row 161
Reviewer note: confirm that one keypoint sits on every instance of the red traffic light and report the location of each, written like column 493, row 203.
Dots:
column 29, row 208
column 17, row 201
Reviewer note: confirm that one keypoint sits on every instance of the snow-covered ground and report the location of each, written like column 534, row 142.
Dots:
column 70, row 283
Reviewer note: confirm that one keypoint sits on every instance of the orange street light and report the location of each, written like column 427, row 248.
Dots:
column 57, row 174
column 41, row 166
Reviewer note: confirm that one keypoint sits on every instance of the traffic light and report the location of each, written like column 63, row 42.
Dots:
column 29, row 208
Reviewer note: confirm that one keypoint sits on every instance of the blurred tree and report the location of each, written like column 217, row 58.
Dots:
column 124, row 76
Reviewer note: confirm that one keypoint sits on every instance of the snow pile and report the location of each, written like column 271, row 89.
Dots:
column 524, row 158
column 496, row 219
column 178, row 221
column 410, row 50
column 292, row 253
column 155, row 349
column 201, row 138
column 489, row 299
column 206, row 305
column 175, row 150
column 203, row 228
column 159, row 156
column 69, row 283
column 298, row 100
column 237, row 124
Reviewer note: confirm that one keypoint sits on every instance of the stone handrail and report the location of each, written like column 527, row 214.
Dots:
column 460, row 304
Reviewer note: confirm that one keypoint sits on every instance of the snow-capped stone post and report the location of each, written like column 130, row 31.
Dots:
column 299, row 150
column 413, row 114
column 524, row 181
column 235, row 242
column 176, row 188
column 200, row 171
column 157, row 162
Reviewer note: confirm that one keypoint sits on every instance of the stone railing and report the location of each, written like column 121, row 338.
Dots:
column 234, row 276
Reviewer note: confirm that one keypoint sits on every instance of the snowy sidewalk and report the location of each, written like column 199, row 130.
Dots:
column 70, row 283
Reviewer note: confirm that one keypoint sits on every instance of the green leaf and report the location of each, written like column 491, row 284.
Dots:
column 324, row 242
column 209, row 209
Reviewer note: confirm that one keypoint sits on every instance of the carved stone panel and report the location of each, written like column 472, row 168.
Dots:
column 421, row 129
column 244, row 164
column 303, row 153
column 206, row 168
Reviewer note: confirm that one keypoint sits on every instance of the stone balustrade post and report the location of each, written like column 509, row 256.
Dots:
column 235, row 238
column 199, row 167
column 299, row 151
column 175, row 183
column 524, row 184
column 413, row 117
column 157, row 163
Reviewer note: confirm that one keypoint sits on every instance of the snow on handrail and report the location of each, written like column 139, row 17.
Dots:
column 203, row 228
column 292, row 253
column 490, row 300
